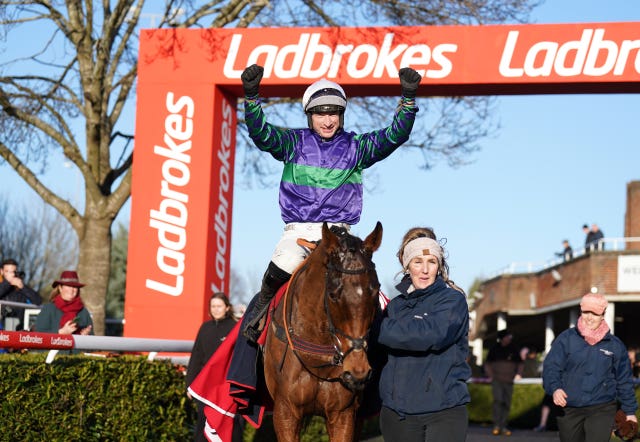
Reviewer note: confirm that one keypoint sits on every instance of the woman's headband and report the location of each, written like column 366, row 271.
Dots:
column 419, row 247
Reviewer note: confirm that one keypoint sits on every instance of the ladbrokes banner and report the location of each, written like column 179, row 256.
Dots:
column 189, row 81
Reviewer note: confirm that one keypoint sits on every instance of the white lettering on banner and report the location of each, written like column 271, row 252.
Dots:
column 28, row 339
column 170, row 220
column 4, row 337
column 592, row 55
column 62, row 341
column 221, row 217
column 360, row 61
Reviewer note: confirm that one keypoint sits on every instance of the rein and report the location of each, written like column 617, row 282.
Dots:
column 299, row 345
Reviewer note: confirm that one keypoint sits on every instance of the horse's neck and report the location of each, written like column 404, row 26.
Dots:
column 310, row 292
column 309, row 288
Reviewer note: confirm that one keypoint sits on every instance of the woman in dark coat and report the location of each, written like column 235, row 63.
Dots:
column 208, row 339
column 425, row 331
column 65, row 314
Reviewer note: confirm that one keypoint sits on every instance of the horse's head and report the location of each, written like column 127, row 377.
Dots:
column 351, row 297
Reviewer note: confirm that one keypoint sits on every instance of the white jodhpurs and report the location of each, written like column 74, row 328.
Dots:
column 288, row 253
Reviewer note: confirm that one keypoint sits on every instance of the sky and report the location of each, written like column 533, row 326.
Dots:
column 556, row 163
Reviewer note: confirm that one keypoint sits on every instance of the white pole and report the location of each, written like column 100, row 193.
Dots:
column 610, row 317
column 115, row 343
column 549, row 335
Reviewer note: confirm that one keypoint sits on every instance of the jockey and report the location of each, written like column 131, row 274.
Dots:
column 322, row 176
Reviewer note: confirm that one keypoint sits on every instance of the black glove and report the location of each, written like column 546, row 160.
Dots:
column 251, row 77
column 409, row 80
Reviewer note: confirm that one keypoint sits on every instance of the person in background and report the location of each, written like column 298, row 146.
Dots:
column 567, row 251
column 65, row 313
column 12, row 288
column 531, row 366
column 503, row 366
column 323, row 169
column 209, row 337
column 593, row 236
column 588, row 372
column 596, row 236
column 545, row 411
column 588, row 238
column 424, row 331
column 635, row 361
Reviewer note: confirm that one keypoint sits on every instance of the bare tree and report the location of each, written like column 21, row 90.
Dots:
column 40, row 240
column 67, row 91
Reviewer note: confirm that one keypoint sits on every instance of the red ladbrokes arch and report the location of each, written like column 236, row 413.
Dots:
column 185, row 135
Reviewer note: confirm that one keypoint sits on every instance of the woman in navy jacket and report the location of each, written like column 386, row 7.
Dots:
column 587, row 371
column 425, row 330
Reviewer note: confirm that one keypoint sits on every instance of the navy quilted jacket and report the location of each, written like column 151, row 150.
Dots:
column 426, row 335
column 590, row 374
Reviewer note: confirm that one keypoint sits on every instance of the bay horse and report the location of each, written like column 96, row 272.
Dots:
column 315, row 360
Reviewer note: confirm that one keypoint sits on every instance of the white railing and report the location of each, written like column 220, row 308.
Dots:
column 609, row 244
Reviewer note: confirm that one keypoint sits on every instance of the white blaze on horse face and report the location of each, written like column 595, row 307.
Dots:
column 423, row 271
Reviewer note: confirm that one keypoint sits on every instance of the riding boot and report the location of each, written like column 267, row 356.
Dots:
column 272, row 280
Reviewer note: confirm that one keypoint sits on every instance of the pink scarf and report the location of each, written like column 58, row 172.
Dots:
column 592, row 336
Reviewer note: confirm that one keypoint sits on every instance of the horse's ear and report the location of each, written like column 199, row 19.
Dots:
column 372, row 242
column 329, row 238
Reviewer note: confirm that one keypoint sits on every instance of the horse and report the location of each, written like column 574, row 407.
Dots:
column 314, row 356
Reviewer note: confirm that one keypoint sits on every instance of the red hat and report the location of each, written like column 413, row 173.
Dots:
column 68, row 277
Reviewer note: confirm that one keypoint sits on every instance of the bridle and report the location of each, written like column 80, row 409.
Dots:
column 360, row 343
column 298, row 345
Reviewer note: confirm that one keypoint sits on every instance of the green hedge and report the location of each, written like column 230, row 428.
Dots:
column 525, row 404
column 78, row 398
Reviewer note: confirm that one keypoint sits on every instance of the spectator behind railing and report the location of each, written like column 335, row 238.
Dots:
column 613, row 244
column 65, row 313
column 593, row 239
column 567, row 251
column 12, row 288
column 598, row 235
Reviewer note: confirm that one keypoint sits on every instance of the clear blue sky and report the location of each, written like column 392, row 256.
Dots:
column 558, row 162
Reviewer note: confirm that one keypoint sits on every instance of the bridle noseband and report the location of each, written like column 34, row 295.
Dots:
column 360, row 343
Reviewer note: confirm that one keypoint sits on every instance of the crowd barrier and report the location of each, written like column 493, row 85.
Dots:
column 56, row 342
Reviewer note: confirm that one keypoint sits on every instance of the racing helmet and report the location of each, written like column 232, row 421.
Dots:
column 324, row 96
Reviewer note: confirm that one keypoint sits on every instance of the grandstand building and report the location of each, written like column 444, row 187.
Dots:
column 537, row 304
